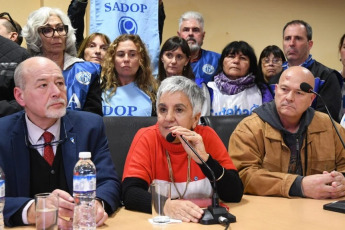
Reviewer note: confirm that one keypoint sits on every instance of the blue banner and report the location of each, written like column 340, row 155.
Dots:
column 116, row 17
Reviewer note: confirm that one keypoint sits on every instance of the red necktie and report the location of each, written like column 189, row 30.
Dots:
column 48, row 149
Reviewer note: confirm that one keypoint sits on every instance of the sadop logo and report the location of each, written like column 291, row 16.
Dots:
column 127, row 25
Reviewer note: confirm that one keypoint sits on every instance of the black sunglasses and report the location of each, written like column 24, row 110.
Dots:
column 9, row 19
column 53, row 143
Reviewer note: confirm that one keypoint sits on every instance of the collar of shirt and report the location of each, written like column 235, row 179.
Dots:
column 35, row 133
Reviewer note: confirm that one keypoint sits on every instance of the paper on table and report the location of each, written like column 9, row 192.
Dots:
column 170, row 222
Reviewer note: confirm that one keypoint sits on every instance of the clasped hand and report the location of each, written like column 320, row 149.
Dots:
column 324, row 186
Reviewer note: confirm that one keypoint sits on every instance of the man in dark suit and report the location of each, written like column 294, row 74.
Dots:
column 41, row 90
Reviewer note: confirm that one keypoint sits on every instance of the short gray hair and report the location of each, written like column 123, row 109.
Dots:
column 19, row 80
column 191, row 15
column 37, row 19
column 182, row 84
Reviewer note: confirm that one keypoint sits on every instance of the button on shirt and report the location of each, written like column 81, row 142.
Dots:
column 35, row 138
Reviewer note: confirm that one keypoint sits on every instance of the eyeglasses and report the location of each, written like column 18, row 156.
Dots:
column 9, row 19
column 49, row 32
column 39, row 146
column 274, row 61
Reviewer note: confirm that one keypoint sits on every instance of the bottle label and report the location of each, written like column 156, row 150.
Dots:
column 85, row 183
column 2, row 188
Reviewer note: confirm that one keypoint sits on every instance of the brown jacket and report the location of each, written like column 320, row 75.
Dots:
column 262, row 158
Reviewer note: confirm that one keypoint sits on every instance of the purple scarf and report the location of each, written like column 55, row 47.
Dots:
column 231, row 87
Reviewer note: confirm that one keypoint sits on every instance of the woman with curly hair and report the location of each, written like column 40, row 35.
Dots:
column 129, row 89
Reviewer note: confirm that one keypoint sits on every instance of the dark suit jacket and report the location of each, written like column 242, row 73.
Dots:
column 85, row 132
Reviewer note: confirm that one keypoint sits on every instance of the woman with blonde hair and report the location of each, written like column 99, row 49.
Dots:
column 129, row 89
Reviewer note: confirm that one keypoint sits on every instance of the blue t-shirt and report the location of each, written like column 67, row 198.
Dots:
column 128, row 100
column 205, row 67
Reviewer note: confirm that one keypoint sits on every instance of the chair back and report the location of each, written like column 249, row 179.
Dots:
column 120, row 132
column 223, row 125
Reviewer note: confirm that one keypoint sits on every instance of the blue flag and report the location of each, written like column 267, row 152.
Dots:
column 116, row 17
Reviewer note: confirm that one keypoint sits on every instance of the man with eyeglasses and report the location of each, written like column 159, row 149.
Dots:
column 11, row 54
column 33, row 164
column 297, row 43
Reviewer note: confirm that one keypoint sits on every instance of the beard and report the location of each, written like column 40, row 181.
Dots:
column 56, row 113
column 194, row 47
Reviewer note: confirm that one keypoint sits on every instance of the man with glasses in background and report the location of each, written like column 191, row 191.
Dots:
column 297, row 43
column 39, row 147
column 11, row 54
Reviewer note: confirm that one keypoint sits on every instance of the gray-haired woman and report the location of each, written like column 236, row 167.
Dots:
column 152, row 158
column 49, row 33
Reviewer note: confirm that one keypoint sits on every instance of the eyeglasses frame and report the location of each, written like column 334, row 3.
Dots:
column 54, row 29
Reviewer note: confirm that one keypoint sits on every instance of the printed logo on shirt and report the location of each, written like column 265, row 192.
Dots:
column 74, row 102
column 83, row 77
column 234, row 111
column 119, row 110
column 208, row 69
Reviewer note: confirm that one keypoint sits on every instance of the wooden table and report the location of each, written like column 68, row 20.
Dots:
column 252, row 213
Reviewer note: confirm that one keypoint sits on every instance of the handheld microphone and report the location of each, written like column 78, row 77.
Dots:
column 214, row 214
column 305, row 87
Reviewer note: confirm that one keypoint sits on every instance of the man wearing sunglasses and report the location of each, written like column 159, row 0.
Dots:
column 10, row 29
column 34, row 163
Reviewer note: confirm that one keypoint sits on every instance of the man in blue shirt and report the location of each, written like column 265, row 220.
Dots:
column 203, row 62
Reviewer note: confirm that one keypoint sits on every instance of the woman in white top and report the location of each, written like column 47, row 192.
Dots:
column 237, row 89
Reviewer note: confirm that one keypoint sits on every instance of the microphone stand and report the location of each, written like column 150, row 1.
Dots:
column 214, row 214
column 330, row 117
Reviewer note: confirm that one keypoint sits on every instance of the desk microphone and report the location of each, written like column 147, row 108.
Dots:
column 305, row 87
column 214, row 214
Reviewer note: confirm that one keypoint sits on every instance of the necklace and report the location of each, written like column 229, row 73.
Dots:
column 171, row 175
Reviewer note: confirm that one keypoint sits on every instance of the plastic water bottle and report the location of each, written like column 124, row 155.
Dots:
column 2, row 198
column 84, row 193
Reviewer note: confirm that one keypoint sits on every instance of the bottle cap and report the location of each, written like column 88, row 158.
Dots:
column 84, row 154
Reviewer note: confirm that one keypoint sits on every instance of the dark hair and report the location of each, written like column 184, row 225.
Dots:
column 173, row 44
column 9, row 24
column 341, row 41
column 235, row 48
column 301, row 22
column 243, row 47
column 273, row 49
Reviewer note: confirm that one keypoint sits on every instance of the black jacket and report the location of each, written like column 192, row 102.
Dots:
column 11, row 54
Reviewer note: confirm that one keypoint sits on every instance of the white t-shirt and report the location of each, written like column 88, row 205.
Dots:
column 242, row 103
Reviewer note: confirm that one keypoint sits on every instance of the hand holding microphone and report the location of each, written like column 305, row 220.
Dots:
column 193, row 138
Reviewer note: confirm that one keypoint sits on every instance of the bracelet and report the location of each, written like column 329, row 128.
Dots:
column 101, row 201
column 221, row 175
